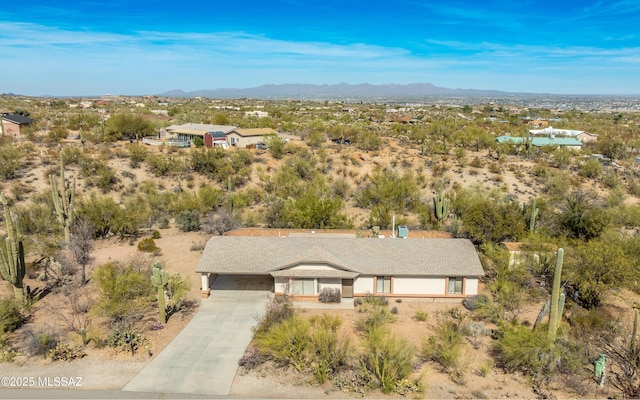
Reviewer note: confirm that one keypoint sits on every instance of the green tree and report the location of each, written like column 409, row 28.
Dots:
column 597, row 266
column 125, row 290
column 126, row 125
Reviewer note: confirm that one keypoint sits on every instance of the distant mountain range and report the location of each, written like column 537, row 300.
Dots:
column 338, row 91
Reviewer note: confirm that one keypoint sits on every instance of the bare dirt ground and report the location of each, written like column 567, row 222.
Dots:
column 104, row 368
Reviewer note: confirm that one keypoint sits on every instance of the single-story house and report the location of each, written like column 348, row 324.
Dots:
column 302, row 266
column 11, row 123
column 243, row 137
column 190, row 131
column 536, row 141
column 582, row 136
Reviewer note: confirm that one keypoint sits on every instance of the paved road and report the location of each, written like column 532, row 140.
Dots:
column 203, row 358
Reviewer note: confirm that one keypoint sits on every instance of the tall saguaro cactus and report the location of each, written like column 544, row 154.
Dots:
column 557, row 301
column 12, row 265
column 63, row 200
column 441, row 205
column 533, row 215
column 160, row 279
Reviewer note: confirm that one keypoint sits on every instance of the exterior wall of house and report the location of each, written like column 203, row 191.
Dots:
column 330, row 283
column 400, row 286
column 10, row 128
column 284, row 284
column 471, row 286
column 280, row 284
column 415, row 285
column 242, row 141
column 363, row 285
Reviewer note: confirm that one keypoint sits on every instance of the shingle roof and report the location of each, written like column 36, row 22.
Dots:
column 17, row 118
column 268, row 255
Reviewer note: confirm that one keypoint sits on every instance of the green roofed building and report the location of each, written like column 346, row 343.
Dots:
column 569, row 142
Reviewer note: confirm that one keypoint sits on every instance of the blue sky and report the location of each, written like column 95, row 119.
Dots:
column 146, row 47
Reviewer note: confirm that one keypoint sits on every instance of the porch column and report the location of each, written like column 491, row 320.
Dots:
column 205, row 285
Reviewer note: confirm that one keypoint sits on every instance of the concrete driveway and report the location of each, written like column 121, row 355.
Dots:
column 203, row 358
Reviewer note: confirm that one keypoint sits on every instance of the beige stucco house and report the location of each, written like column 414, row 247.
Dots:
column 303, row 266
column 244, row 137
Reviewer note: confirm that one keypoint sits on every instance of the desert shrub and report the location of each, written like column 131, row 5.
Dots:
column 475, row 302
column 406, row 387
column 330, row 295
column 10, row 157
column 353, row 380
column 275, row 312
column 445, row 346
column 161, row 165
column 521, row 349
column 137, row 154
column 251, row 359
column 220, row 222
column 376, row 315
column 40, row 342
column 7, row 353
column 148, row 245
column 65, row 352
column 188, row 221
column 163, row 223
column 124, row 290
column 420, row 316
column 10, row 316
column 126, row 338
column 592, row 168
column 286, row 342
column 388, row 358
column 155, row 235
column 327, row 350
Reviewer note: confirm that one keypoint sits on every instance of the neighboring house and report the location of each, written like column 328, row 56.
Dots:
column 243, row 137
column 582, row 136
column 515, row 252
column 12, row 123
column 190, row 131
column 303, row 266
column 568, row 142
column 256, row 113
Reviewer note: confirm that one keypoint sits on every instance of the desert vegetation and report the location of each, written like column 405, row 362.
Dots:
column 75, row 178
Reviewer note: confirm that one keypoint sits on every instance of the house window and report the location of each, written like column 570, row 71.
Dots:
column 455, row 285
column 233, row 141
column 303, row 286
column 383, row 284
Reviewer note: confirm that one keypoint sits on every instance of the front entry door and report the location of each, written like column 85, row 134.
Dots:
column 347, row 288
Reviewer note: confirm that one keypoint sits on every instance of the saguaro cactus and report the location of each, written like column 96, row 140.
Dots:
column 441, row 205
column 12, row 265
column 556, row 311
column 63, row 200
column 229, row 195
column 159, row 279
column 533, row 215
